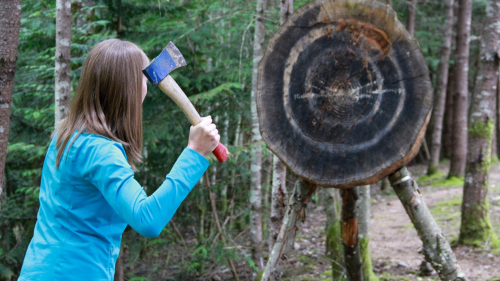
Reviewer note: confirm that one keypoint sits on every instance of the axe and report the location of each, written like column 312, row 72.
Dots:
column 158, row 72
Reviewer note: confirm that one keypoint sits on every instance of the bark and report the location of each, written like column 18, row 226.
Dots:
column 497, row 133
column 412, row 8
column 448, row 115
column 334, row 250
column 494, row 154
column 278, row 200
column 389, row 2
column 225, row 173
column 62, row 67
column 460, row 95
column 364, row 233
column 350, row 239
column 436, row 248
column 256, row 151
column 476, row 229
column 439, row 107
column 10, row 21
column 286, row 10
column 278, row 193
column 119, row 271
column 293, row 219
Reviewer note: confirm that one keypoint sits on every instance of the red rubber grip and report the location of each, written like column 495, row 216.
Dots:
column 220, row 153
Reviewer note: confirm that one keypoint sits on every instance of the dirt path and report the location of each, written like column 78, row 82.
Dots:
column 394, row 243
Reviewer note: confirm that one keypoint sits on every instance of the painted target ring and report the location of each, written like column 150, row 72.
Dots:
column 344, row 93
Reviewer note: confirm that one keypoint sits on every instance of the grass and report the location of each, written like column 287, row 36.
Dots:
column 426, row 179
column 448, row 182
column 440, row 180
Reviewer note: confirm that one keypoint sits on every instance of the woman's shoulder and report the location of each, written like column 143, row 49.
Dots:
column 87, row 147
column 99, row 143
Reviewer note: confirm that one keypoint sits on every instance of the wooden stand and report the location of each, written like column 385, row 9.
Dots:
column 436, row 248
column 294, row 216
column 350, row 239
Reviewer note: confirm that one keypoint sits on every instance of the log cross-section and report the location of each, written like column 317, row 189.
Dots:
column 344, row 93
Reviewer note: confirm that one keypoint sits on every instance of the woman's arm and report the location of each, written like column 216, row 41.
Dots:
column 109, row 171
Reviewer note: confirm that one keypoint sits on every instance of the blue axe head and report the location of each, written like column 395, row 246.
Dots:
column 167, row 61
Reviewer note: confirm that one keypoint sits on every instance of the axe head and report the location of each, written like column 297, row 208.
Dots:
column 167, row 61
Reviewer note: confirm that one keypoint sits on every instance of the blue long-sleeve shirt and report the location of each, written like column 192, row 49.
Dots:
column 86, row 204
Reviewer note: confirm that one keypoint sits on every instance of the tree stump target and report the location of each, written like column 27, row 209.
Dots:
column 344, row 94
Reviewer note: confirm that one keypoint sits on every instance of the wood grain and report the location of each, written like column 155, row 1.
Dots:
column 344, row 93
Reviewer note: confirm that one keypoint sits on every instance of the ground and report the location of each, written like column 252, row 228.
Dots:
column 394, row 243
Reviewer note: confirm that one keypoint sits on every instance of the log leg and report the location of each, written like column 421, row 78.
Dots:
column 436, row 247
column 352, row 253
column 294, row 216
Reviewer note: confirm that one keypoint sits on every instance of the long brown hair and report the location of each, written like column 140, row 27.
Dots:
column 108, row 100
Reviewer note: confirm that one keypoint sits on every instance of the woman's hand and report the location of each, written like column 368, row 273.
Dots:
column 204, row 137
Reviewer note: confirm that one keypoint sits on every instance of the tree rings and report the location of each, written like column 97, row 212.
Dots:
column 344, row 94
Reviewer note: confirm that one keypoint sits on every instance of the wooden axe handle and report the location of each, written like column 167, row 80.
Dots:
column 172, row 89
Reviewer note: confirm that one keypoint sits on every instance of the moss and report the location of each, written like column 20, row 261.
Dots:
column 477, row 230
column 494, row 160
column 366, row 258
column 447, row 182
column 426, row 179
column 259, row 275
column 482, row 129
column 386, row 276
column 334, row 249
column 432, row 170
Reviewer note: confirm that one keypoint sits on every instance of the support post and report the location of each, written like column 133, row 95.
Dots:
column 436, row 247
column 350, row 239
column 295, row 214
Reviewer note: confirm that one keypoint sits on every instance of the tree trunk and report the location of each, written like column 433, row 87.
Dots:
column 412, row 8
column 498, row 116
column 436, row 248
column 350, row 239
column 460, row 96
column 225, row 173
column 278, row 194
column 286, row 10
column 119, row 271
column 10, row 21
column 448, row 115
column 476, row 229
column 278, row 200
column 334, row 250
column 439, row 108
column 62, row 68
column 364, row 234
column 256, row 141
column 294, row 216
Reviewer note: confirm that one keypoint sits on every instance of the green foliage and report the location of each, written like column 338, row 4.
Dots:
column 216, row 38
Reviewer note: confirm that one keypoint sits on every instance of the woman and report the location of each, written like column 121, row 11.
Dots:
column 88, row 193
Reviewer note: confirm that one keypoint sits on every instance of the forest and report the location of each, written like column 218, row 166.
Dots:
column 252, row 217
